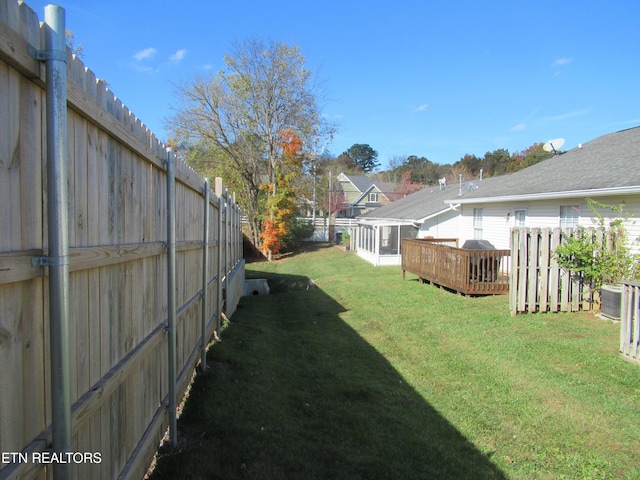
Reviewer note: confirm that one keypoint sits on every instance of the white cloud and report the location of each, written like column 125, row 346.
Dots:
column 179, row 55
column 422, row 107
column 144, row 54
column 561, row 62
column 519, row 127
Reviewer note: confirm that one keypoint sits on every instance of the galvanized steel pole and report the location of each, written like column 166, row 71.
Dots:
column 58, row 234
column 171, row 295
column 205, row 263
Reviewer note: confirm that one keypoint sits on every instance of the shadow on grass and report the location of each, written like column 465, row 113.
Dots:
column 293, row 392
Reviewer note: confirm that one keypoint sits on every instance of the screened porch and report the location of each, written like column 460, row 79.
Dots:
column 380, row 242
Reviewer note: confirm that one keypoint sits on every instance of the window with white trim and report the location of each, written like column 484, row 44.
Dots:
column 373, row 197
column 520, row 217
column 569, row 216
column 477, row 223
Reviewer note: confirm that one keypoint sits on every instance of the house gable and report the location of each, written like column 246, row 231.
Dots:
column 358, row 190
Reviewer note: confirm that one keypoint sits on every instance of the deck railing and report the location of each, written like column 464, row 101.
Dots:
column 470, row 272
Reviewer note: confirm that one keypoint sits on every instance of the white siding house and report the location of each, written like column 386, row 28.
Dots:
column 443, row 225
column 552, row 193
column 501, row 217
column 555, row 192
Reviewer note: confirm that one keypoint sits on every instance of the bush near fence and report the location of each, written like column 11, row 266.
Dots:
column 537, row 282
column 117, row 263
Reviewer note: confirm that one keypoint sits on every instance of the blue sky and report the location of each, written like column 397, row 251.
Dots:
column 438, row 79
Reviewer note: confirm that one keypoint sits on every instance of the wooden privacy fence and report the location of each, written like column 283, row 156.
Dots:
column 630, row 322
column 538, row 284
column 471, row 272
column 119, row 264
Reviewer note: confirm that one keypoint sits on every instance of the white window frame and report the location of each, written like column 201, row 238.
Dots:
column 477, row 223
column 569, row 221
column 373, row 197
column 519, row 217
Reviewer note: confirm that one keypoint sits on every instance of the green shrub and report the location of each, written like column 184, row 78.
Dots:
column 599, row 255
column 298, row 230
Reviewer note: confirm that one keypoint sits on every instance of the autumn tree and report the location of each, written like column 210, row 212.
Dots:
column 471, row 165
column 529, row 156
column 407, row 185
column 241, row 112
column 282, row 209
column 496, row 162
column 281, row 202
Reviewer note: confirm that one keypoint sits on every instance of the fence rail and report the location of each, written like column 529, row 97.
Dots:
column 471, row 272
column 118, row 268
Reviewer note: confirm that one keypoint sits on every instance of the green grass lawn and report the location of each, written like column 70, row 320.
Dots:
column 368, row 376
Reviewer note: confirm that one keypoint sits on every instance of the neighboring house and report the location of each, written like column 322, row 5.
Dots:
column 552, row 193
column 361, row 194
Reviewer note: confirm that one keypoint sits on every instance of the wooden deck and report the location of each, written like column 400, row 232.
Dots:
column 469, row 272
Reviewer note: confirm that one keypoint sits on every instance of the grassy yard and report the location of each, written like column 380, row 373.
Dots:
column 368, row 376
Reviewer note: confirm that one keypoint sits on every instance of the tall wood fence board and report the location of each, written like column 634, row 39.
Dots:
column 117, row 262
column 537, row 283
column 630, row 322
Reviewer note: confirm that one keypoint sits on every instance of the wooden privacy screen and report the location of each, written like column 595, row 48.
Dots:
column 118, row 268
column 537, row 283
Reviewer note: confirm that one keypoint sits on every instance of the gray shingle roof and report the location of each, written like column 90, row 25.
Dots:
column 417, row 205
column 609, row 161
column 363, row 184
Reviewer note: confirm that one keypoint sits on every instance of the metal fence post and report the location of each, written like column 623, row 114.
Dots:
column 58, row 234
column 205, row 263
column 171, row 295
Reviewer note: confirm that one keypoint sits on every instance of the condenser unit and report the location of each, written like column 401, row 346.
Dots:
column 610, row 301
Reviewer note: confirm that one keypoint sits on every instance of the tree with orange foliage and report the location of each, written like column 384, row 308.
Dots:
column 291, row 147
column 281, row 205
column 282, row 209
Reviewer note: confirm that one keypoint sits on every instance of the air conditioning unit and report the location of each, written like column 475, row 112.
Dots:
column 610, row 301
